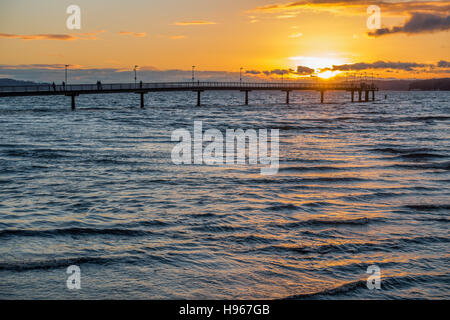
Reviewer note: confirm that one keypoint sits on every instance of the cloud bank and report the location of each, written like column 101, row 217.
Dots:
column 417, row 23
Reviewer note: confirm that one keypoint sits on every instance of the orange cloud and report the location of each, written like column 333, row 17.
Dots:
column 193, row 23
column 133, row 34
column 177, row 37
column 66, row 37
column 357, row 6
column 63, row 37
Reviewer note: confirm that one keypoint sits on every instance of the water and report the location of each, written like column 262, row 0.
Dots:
column 359, row 184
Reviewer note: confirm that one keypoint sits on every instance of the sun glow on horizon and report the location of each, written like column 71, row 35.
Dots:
column 328, row 74
column 320, row 63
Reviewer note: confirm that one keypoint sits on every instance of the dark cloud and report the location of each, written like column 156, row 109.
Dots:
column 387, row 65
column 278, row 72
column 443, row 64
column 253, row 72
column 417, row 23
column 407, row 66
column 301, row 70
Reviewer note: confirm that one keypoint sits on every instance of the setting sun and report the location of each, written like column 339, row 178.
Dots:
column 328, row 74
column 320, row 63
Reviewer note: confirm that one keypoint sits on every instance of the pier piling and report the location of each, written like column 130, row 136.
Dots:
column 321, row 96
column 246, row 97
column 198, row 98
column 72, row 100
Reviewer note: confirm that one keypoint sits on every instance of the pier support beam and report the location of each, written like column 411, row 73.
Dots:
column 373, row 95
column 72, row 98
column 246, row 96
column 142, row 100
column 359, row 95
column 287, row 96
column 198, row 98
column 353, row 96
column 366, row 96
column 321, row 96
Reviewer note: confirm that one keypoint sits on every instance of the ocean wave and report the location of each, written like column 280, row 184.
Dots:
column 329, row 222
column 388, row 245
column 421, row 155
column 72, row 232
column 394, row 282
column 427, row 207
column 217, row 228
column 401, row 150
column 304, row 169
column 428, row 118
column 342, row 289
column 37, row 153
column 282, row 207
column 61, row 262
column 424, row 166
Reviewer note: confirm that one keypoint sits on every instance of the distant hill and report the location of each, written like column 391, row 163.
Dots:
column 397, row 85
column 431, row 84
column 12, row 82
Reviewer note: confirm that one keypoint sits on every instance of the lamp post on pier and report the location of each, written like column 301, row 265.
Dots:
column 193, row 74
column 240, row 75
column 135, row 75
column 65, row 73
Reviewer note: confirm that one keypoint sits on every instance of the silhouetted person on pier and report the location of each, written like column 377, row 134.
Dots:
column 54, row 86
column 99, row 85
column 140, row 84
column 64, row 86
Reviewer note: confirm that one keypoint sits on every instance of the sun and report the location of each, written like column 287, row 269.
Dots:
column 328, row 74
column 319, row 63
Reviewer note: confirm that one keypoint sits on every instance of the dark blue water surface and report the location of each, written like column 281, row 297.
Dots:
column 359, row 184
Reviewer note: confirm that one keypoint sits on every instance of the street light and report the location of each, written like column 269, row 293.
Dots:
column 193, row 75
column 65, row 77
column 240, row 75
column 135, row 75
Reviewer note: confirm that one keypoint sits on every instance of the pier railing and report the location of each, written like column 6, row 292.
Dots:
column 196, row 85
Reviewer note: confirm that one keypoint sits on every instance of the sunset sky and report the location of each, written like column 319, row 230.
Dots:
column 266, row 38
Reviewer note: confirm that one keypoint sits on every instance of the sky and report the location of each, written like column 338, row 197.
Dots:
column 268, row 39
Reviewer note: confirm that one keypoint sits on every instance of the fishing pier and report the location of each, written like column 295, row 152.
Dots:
column 361, row 89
